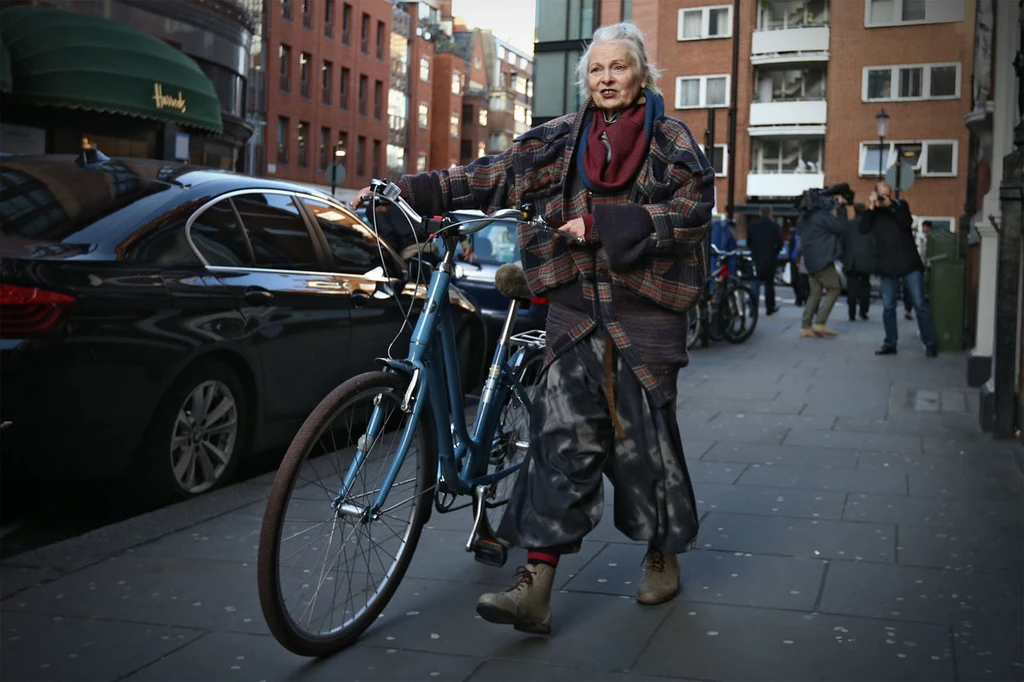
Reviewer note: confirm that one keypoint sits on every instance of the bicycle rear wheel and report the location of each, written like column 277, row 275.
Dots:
column 325, row 571
column 745, row 305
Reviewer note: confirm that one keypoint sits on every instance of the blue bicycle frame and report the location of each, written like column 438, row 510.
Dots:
column 463, row 457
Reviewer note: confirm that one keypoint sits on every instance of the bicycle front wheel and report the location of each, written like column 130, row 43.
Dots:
column 745, row 305
column 327, row 563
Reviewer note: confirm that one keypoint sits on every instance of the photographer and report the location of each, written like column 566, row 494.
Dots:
column 898, row 261
column 821, row 225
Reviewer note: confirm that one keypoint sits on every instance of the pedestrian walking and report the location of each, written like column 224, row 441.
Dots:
column 764, row 238
column 616, row 327
column 859, row 263
column 821, row 225
column 898, row 262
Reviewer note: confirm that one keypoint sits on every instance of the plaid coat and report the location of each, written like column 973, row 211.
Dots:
column 644, row 267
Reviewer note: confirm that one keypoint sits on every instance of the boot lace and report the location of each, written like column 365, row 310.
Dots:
column 656, row 560
column 525, row 579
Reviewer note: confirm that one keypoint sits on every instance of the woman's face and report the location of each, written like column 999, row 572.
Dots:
column 613, row 78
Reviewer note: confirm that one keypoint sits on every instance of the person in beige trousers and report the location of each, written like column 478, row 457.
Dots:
column 821, row 226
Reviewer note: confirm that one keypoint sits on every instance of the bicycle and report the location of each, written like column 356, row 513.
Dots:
column 726, row 310
column 343, row 491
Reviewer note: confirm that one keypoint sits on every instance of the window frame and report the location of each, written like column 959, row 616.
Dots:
column 926, row 80
column 922, row 165
column 757, row 157
column 454, row 126
column 919, row 219
column 725, row 159
column 424, row 68
column 703, row 91
column 898, row 11
column 705, row 21
column 423, row 115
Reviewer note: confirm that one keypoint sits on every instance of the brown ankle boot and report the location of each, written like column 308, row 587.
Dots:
column 526, row 605
column 661, row 578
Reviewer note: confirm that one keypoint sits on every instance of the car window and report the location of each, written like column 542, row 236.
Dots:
column 497, row 244
column 162, row 243
column 278, row 235
column 218, row 236
column 354, row 248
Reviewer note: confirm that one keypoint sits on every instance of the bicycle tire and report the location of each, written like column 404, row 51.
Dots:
column 272, row 598
column 748, row 303
column 505, row 452
column 693, row 327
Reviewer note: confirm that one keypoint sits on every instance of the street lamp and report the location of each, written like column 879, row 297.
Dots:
column 882, row 124
column 339, row 153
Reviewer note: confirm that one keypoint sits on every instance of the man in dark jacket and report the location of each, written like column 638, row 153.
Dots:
column 822, row 223
column 858, row 263
column 764, row 237
column 898, row 261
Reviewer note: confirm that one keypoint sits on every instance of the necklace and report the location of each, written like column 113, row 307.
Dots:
column 613, row 118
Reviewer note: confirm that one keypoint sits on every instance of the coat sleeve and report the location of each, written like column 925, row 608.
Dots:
column 901, row 211
column 867, row 222
column 630, row 233
column 487, row 184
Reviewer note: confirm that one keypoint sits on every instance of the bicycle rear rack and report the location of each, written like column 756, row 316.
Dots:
column 535, row 338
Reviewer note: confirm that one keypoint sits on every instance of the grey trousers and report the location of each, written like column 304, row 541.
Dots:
column 824, row 282
column 575, row 438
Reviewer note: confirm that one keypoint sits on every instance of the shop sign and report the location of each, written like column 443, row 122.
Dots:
column 168, row 101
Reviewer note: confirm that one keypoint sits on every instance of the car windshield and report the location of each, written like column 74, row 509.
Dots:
column 497, row 244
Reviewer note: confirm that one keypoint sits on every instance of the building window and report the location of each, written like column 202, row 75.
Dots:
column 424, row 115
column 481, row 149
column 520, row 113
column 521, row 85
column 346, row 24
column 501, row 52
column 789, row 85
column 376, row 158
column 453, row 124
column 343, row 145
column 380, row 41
column 777, row 15
column 421, row 163
column 523, row 63
column 364, row 84
column 326, row 79
column 378, row 100
column 787, row 155
column 283, row 125
column 303, row 139
column 286, row 10
column 285, row 56
column 705, row 22
column 529, row 89
column 364, row 34
column 307, row 15
column 938, row 223
column 304, row 59
column 911, row 82
column 894, row 12
column 512, row 58
column 424, row 69
column 343, row 90
column 466, row 151
column 325, row 147
column 456, row 83
column 719, row 159
column 361, row 156
column 930, row 158
column 329, row 18
column 702, row 91
column 483, row 117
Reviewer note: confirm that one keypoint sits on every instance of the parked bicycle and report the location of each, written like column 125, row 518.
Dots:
column 383, row 451
column 727, row 309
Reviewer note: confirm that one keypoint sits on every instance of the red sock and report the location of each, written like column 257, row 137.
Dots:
column 546, row 557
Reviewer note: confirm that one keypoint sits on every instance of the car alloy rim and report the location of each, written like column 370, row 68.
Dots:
column 203, row 440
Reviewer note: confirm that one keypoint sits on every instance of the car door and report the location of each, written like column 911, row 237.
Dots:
column 370, row 270
column 297, row 313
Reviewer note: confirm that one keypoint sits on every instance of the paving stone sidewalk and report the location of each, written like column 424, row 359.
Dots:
column 856, row 525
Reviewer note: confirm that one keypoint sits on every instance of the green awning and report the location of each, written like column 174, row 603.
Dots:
column 79, row 61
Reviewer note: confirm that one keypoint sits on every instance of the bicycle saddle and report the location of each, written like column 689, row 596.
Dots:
column 511, row 281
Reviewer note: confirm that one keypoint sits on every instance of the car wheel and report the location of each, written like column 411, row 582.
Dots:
column 197, row 434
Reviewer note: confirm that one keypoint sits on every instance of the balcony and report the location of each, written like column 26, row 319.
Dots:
column 782, row 184
column 788, row 113
column 800, row 44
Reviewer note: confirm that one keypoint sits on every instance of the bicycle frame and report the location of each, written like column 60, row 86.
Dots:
column 433, row 365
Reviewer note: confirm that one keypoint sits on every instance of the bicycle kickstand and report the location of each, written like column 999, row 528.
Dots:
column 486, row 548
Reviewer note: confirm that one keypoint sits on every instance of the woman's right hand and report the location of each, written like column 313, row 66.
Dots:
column 363, row 192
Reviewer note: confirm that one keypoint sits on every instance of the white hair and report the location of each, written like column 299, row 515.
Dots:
column 627, row 34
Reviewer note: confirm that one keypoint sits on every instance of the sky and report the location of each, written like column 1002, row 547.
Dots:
column 511, row 20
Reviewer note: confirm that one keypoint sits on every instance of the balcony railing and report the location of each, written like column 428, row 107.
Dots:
column 786, row 184
column 788, row 112
column 790, row 44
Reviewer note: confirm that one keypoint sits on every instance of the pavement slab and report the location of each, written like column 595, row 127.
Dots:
column 933, row 511
column 824, row 479
column 782, row 455
column 761, row 501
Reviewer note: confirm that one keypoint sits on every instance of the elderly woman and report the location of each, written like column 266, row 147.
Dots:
column 633, row 184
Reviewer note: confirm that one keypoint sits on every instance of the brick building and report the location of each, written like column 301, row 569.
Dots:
column 327, row 83
column 810, row 77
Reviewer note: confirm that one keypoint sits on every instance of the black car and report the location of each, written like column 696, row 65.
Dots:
column 161, row 320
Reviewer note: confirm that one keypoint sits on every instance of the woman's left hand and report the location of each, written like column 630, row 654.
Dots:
column 576, row 228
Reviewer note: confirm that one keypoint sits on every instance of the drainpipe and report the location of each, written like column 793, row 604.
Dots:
column 734, row 87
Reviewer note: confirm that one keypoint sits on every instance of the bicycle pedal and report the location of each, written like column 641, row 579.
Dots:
column 490, row 553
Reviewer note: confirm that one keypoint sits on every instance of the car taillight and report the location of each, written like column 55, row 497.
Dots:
column 539, row 301
column 28, row 311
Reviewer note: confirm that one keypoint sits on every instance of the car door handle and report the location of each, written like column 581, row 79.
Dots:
column 361, row 298
column 258, row 296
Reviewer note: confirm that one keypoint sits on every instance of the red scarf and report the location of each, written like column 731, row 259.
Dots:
column 628, row 142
